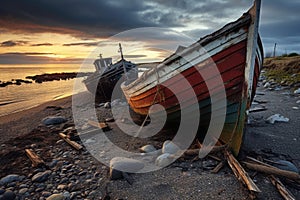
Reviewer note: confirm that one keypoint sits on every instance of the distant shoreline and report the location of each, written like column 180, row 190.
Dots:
column 45, row 78
column 34, row 109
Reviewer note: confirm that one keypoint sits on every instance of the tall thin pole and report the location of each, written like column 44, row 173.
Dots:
column 122, row 57
column 274, row 52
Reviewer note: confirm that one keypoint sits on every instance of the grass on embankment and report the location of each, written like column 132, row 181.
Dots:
column 283, row 69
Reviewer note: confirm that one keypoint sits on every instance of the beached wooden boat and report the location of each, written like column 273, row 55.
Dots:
column 237, row 52
column 107, row 75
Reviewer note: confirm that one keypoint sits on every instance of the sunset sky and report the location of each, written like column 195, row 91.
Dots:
column 67, row 31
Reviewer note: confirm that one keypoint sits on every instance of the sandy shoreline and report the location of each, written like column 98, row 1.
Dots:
column 20, row 123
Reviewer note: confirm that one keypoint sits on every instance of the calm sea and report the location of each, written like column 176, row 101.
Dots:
column 14, row 98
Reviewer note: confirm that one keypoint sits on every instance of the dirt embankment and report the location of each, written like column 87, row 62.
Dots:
column 283, row 70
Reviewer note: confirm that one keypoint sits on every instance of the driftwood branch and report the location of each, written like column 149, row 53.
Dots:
column 70, row 142
column 195, row 152
column 35, row 159
column 240, row 173
column 273, row 170
column 218, row 167
column 101, row 125
column 285, row 193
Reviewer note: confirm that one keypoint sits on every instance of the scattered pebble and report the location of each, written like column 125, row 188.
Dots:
column 23, row 190
column 107, row 105
column 9, row 178
column 286, row 165
column 297, row 91
column 170, row 147
column 56, row 197
column 164, row 160
column 267, row 84
column 41, row 176
column 53, row 120
column 109, row 119
column 148, row 148
column 100, row 105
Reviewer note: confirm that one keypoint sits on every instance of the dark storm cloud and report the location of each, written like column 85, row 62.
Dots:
column 26, row 54
column 280, row 24
column 91, row 17
column 87, row 44
column 12, row 43
column 42, row 44
column 101, row 18
column 135, row 56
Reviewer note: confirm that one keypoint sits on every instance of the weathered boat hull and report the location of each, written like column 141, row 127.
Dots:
column 235, row 50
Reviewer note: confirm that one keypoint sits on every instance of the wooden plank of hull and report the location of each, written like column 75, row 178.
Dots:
column 230, row 63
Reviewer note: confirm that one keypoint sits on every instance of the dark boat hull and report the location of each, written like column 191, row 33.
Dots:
column 103, row 84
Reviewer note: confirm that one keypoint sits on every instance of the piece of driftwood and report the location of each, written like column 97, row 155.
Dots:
column 194, row 152
column 215, row 158
column 285, row 193
column 218, row 167
column 101, row 125
column 255, row 109
column 35, row 159
column 240, row 173
column 258, row 161
column 75, row 145
column 273, row 170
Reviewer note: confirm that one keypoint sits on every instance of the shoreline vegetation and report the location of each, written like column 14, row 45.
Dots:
column 45, row 78
column 283, row 70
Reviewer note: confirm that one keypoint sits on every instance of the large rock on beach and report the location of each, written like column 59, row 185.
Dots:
column 171, row 148
column 148, row 148
column 53, row 120
column 118, row 165
column 164, row 160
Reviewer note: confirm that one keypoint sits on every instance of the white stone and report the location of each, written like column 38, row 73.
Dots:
column 148, row 148
column 297, row 91
column 277, row 118
column 267, row 84
column 171, row 148
column 126, row 164
column 107, row 105
column 89, row 141
column 164, row 160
